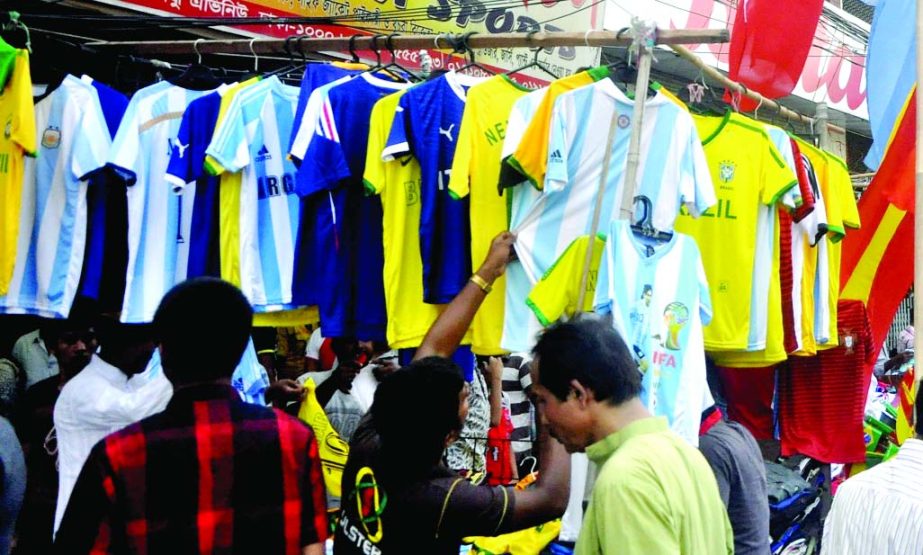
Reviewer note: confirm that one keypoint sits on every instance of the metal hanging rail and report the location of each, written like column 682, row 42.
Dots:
column 408, row 42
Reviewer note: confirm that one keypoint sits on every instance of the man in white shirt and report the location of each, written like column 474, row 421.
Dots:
column 116, row 389
column 881, row 509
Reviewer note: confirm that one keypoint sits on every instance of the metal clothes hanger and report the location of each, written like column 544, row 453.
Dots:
column 535, row 62
column 462, row 47
column 402, row 71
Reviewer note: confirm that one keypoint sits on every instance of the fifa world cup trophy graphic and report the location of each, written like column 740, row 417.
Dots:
column 675, row 316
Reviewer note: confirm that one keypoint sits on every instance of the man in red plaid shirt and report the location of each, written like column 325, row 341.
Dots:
column 210, row 474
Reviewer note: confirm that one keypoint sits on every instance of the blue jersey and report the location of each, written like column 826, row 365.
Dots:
column 187, row 165
column 315, row 76
column 105, row 227
column 426, row 125
column 252, row 137
column 73, row 141
column 158, row 220
column 347, row 234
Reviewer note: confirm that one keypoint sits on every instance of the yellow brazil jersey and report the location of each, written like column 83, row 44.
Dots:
column 398, row 183
column 18, row 116
column 531, row 156
column 476, row 172
column 750, row 178
column 558, row 292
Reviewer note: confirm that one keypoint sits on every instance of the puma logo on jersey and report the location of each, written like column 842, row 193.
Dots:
column 448, row 132
column 556, row 157
column 180, row 147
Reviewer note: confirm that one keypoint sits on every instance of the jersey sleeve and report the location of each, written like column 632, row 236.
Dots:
column 229, row 146
column 23, row 125
column 180, row 170
column 698, row 191
column 602, row 297
column 92, row 141
column 705, row 308
column 399, row 138
column 556, row 168
column 308, row 125
column 125, row 148
column 326, row 163
column 777, row 178
column 554, row 295
column 459, row 180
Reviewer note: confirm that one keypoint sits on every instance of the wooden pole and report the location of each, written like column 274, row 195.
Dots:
column 407, row 42
column 630, row 188
column 716, row 75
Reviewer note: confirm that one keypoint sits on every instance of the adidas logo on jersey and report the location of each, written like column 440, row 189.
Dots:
column 263, row 154
column 556, row 157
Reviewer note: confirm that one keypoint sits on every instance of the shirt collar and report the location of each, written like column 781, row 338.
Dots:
column 610, row 88
column 600, row 451
column 204, row 392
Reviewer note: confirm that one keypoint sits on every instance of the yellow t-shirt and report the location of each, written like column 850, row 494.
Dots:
column 531, row 156
column 17, row 112
column 558, row 292
column 476, row 171
column 398, row 183
column 750, row 177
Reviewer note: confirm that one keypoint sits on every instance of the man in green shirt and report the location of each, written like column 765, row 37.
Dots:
column 655, row 494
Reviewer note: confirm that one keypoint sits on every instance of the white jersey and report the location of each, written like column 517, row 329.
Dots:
column 658, row 297
column 73, row 141
column 158, row 220
column 673, row 172
column 251, row 138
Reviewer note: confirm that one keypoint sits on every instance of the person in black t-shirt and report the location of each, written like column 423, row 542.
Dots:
column 398, row 496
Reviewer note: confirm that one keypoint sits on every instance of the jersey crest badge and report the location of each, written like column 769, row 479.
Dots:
column 726, row 171
column 51, row 138
column 624, row 121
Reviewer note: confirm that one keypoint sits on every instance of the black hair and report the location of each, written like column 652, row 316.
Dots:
column 114, row 335
column 203, row 326
column 590, row 352
column 413, row 411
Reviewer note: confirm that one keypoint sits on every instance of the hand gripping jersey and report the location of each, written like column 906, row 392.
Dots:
column 673, row 172
column 348, row 233
column 475, row 172
column 427, row 125
column 159, row 221
column 53, row 219
column 252, row 138
column 734, row 239
column 658, row 297
column 18, row 141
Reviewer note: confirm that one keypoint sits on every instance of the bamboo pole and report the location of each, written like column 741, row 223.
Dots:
column 407, row 42
column 713, row 73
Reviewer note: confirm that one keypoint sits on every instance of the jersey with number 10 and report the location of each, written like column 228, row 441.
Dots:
column 72, row 144
column 253, row 138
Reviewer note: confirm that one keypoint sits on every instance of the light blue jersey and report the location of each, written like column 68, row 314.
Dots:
column 253, row 137
column 159, row 221
column 73, row 142
column 658, row 297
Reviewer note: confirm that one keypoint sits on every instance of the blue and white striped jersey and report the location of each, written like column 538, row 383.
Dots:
column 73, row 141
column 253, row 137
column 158, row 220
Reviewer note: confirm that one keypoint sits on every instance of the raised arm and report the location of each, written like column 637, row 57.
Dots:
column 449, row 329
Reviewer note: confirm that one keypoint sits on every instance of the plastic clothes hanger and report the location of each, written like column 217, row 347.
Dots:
column 462, row 47
column 534, row 63
column 644, row 226
column 402, row 71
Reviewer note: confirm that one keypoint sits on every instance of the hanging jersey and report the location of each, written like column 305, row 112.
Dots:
column 529, row 155
column 348, row 232
column 158, row 220
column 187, row 167
column 748, row 179
column 520, row 326
column 72, row 145
column 106, row 232
column 557, row 294
column 673, row 173
column 19, row 140
column 427, row 125
column 8, row 56
column 398, row 184
column 660, row 316
column 251, row 139
column 475, row 172
column 809, row 236
column 316, row 76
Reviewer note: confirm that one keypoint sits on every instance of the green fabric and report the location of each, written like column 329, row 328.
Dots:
column 655, row 494
column 7, row 61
